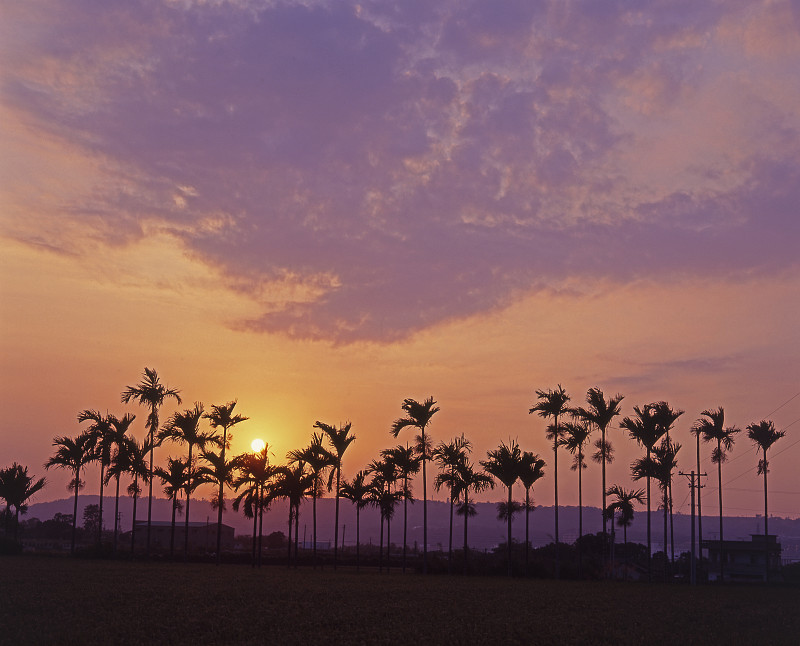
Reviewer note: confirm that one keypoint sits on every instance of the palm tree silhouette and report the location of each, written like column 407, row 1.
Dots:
column 16, row 488
column 150, row 392
column 646, row 430
column 134, row 459
column 219, row 472
column 384, row 476
column 72, row 454
column 102, row 434
column 339, row 439
column 293, row 483
column 174, row 479
column 623, row 505
column 764, row 435
column 184, row 427
column 553, row 403
column 600, row 413
column 419, row 416
column 358, row 491
column 666, row 418
column 697, row 431
column 318, row 459
column 504, row 464
column 449, row 455
column 477, row 482
column 255, row 474
column 117, row 466
column 576, row 434
column 713, row 429
column 407, row 461
column 222, row 417
column 531, row 469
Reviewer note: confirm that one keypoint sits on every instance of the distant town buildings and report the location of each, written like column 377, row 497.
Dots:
column 744, row 560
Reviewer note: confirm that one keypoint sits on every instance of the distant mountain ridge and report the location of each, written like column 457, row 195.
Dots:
column 485, row 530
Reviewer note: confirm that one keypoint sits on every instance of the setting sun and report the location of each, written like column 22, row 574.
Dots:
column 257, row 445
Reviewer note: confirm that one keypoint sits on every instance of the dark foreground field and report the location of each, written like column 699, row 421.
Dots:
column 71, row 601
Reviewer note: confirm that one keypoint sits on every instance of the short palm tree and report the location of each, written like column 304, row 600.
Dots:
column 419, row 416
column 102, row 434
column 407, row 461
column 254, row 479
column 384, row 497
column 449, row 455
column 503, row 464
column 72, row 454
column 174, row 478
column 134, row 458
column 764, row 435
column 16, row 488
column 339, row 439
column 470, row 480
column 713, row 429
column 218, row 471
column 357, row 491
column 600, row 412
column 119, row 431
column 222, row 416
column 622, row 505
column 184, row 427
column 318, row 460
column 293, row 483
column 576, row 435
column 553, row 404
column 531, row 470
column 666, row 417
column 152, row 393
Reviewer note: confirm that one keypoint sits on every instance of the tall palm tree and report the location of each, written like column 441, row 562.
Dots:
column 134, row 458
column 222, row 416
column 184, row 427
column 646, row 430
column 666, row 417
column 713, row 429
column 407, row 461
column 449, row 455
column 119, row 432
column 623, row 505
column 470, row 480
column 600, row 413
column 339, row 439
column 764, row 435
column 553, row 404
column 319, row 460
column 503, row 464
column 254, row 478
column 576, row 434
column 357, row 491
column 16, row 488
column 72, row 454
column 293, row 483
column 102, row 434
column 218, row 471
column 174, row 479
column 419, row 416
column 531, row 469
column 152, row 393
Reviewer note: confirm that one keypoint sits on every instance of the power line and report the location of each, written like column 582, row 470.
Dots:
column 797, row 394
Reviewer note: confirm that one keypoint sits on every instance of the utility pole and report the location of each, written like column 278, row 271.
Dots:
column 692, row 485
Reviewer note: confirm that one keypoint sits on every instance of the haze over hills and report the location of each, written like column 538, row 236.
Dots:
column 485, row 530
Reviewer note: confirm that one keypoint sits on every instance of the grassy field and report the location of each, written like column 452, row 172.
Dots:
column 72, row 601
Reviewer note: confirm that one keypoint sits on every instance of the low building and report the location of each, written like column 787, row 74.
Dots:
column 744, row 560
column 202, row 536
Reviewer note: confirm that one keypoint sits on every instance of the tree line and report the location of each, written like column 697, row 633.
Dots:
column 386, row 481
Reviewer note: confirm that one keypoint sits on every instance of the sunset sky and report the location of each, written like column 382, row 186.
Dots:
column 320, row 208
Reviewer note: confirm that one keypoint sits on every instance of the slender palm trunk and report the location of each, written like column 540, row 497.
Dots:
column 133, row 520
column 380, row 547
column 221, row 499
column 186, row 520
column 450, row 541
column 766, row 523
column 527, row 535
column 116, row 515
column 721, row 549
column 603, row 440
column 260, row 524
column 100, row 525
column 649, row 542
column 336, row 521
column 255, row 525
column 314, row 523
column 75, row 511
column 153, row 427
column 510, row 503
column 580, row 513
column 289, row 538
column 358, row 538
column 172, row 532
column 297, row 531
column 466, row 516
column 388, row 545
column 666, row 521
column 699, row 507
column 555, row 485
column 405, row 519
column 424, row 505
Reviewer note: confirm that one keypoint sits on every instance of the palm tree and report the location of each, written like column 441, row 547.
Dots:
column 152, row 393
column 119, row 432
column 713, row 429
column 339, row 439
column 697, row 430
column 470, row 480
column 645, row 429
column 764, row 435
column 419, row 416
column 531, row 469
column 407, row 461
column 16, row 488
column 449, row 455
column 576, row 434
column 184, row 427
column 553, row 403
column 134, row 459
column 357, row 491
column 504, row 465
column 384, row 476
column 600, row 413
column 255, row 474
column 666, row 417
column 102, row 434
column 174, row 478
column 219, row 472
column 72, row 454
column 623, row 505
column 222, row 417
column 318, row 460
